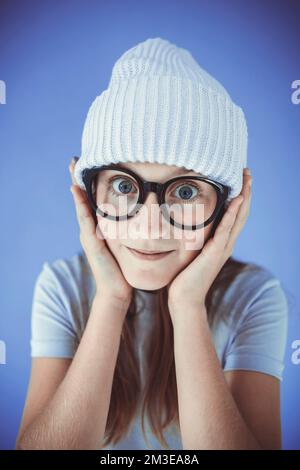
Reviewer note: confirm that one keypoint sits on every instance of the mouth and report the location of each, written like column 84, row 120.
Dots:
column 149, row 255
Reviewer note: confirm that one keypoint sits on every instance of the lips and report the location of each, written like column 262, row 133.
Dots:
column 146, row 252
column 149, row 255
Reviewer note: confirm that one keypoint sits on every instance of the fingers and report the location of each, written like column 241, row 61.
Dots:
column 83, row 210
column 235, row 216
column 222, row 234
column 246, row 192
column 71, row 169
column 243, row 211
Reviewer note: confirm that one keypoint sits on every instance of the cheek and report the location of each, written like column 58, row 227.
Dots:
column 191, row 245
column 110, row 232
column 114, row 247
column 193, row 241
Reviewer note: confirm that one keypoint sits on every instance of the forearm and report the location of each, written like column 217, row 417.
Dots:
column 209, row 417
column 76, row 416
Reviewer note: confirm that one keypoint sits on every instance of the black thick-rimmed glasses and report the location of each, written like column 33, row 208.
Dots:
column 101, row 182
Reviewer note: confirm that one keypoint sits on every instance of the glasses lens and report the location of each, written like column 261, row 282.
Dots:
column 190, row 202
column 115, row 193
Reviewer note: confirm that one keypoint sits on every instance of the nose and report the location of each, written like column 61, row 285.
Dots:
column 151, row 198
column 149, row 217
column 150, row 206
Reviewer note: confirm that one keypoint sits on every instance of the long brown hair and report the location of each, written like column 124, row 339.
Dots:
column 158, row 398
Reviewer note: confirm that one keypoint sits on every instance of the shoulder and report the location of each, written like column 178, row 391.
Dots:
column 67, row 272
column 63, row 293
column 261, row 290
column 254, row 300
column 66, row 268
column 250, row 284
column 67, row 282
column 256, row 311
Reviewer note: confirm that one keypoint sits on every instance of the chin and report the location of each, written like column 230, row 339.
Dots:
column 146, row 284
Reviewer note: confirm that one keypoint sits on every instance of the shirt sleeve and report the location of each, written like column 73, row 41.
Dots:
column 260, row 339
column 52, row 332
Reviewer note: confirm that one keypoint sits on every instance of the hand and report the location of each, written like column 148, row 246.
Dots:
column 107, row 273
column 191, row 285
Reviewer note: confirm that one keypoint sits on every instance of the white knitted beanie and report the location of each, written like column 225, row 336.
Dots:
column 161, row 106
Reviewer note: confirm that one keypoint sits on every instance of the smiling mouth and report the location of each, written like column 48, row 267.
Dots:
column 147, row 255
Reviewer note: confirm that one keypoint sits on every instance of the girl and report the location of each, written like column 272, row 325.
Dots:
column 182, row 347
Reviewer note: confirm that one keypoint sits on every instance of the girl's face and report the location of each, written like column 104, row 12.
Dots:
column 149, row 231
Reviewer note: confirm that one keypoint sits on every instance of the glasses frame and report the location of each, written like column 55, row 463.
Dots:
column 146, row 187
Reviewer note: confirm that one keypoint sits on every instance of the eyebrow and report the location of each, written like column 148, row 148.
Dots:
column 177, row 172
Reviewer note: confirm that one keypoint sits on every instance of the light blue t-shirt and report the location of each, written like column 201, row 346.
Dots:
column 249, row 327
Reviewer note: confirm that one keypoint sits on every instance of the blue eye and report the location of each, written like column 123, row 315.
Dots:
column 121, row 186
column 185, row 191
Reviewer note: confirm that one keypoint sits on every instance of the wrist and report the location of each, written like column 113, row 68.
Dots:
column 183, row 311
column 110, row 303
column 186, row 304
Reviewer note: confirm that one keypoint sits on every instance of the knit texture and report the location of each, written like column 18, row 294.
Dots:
column 162, row 107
